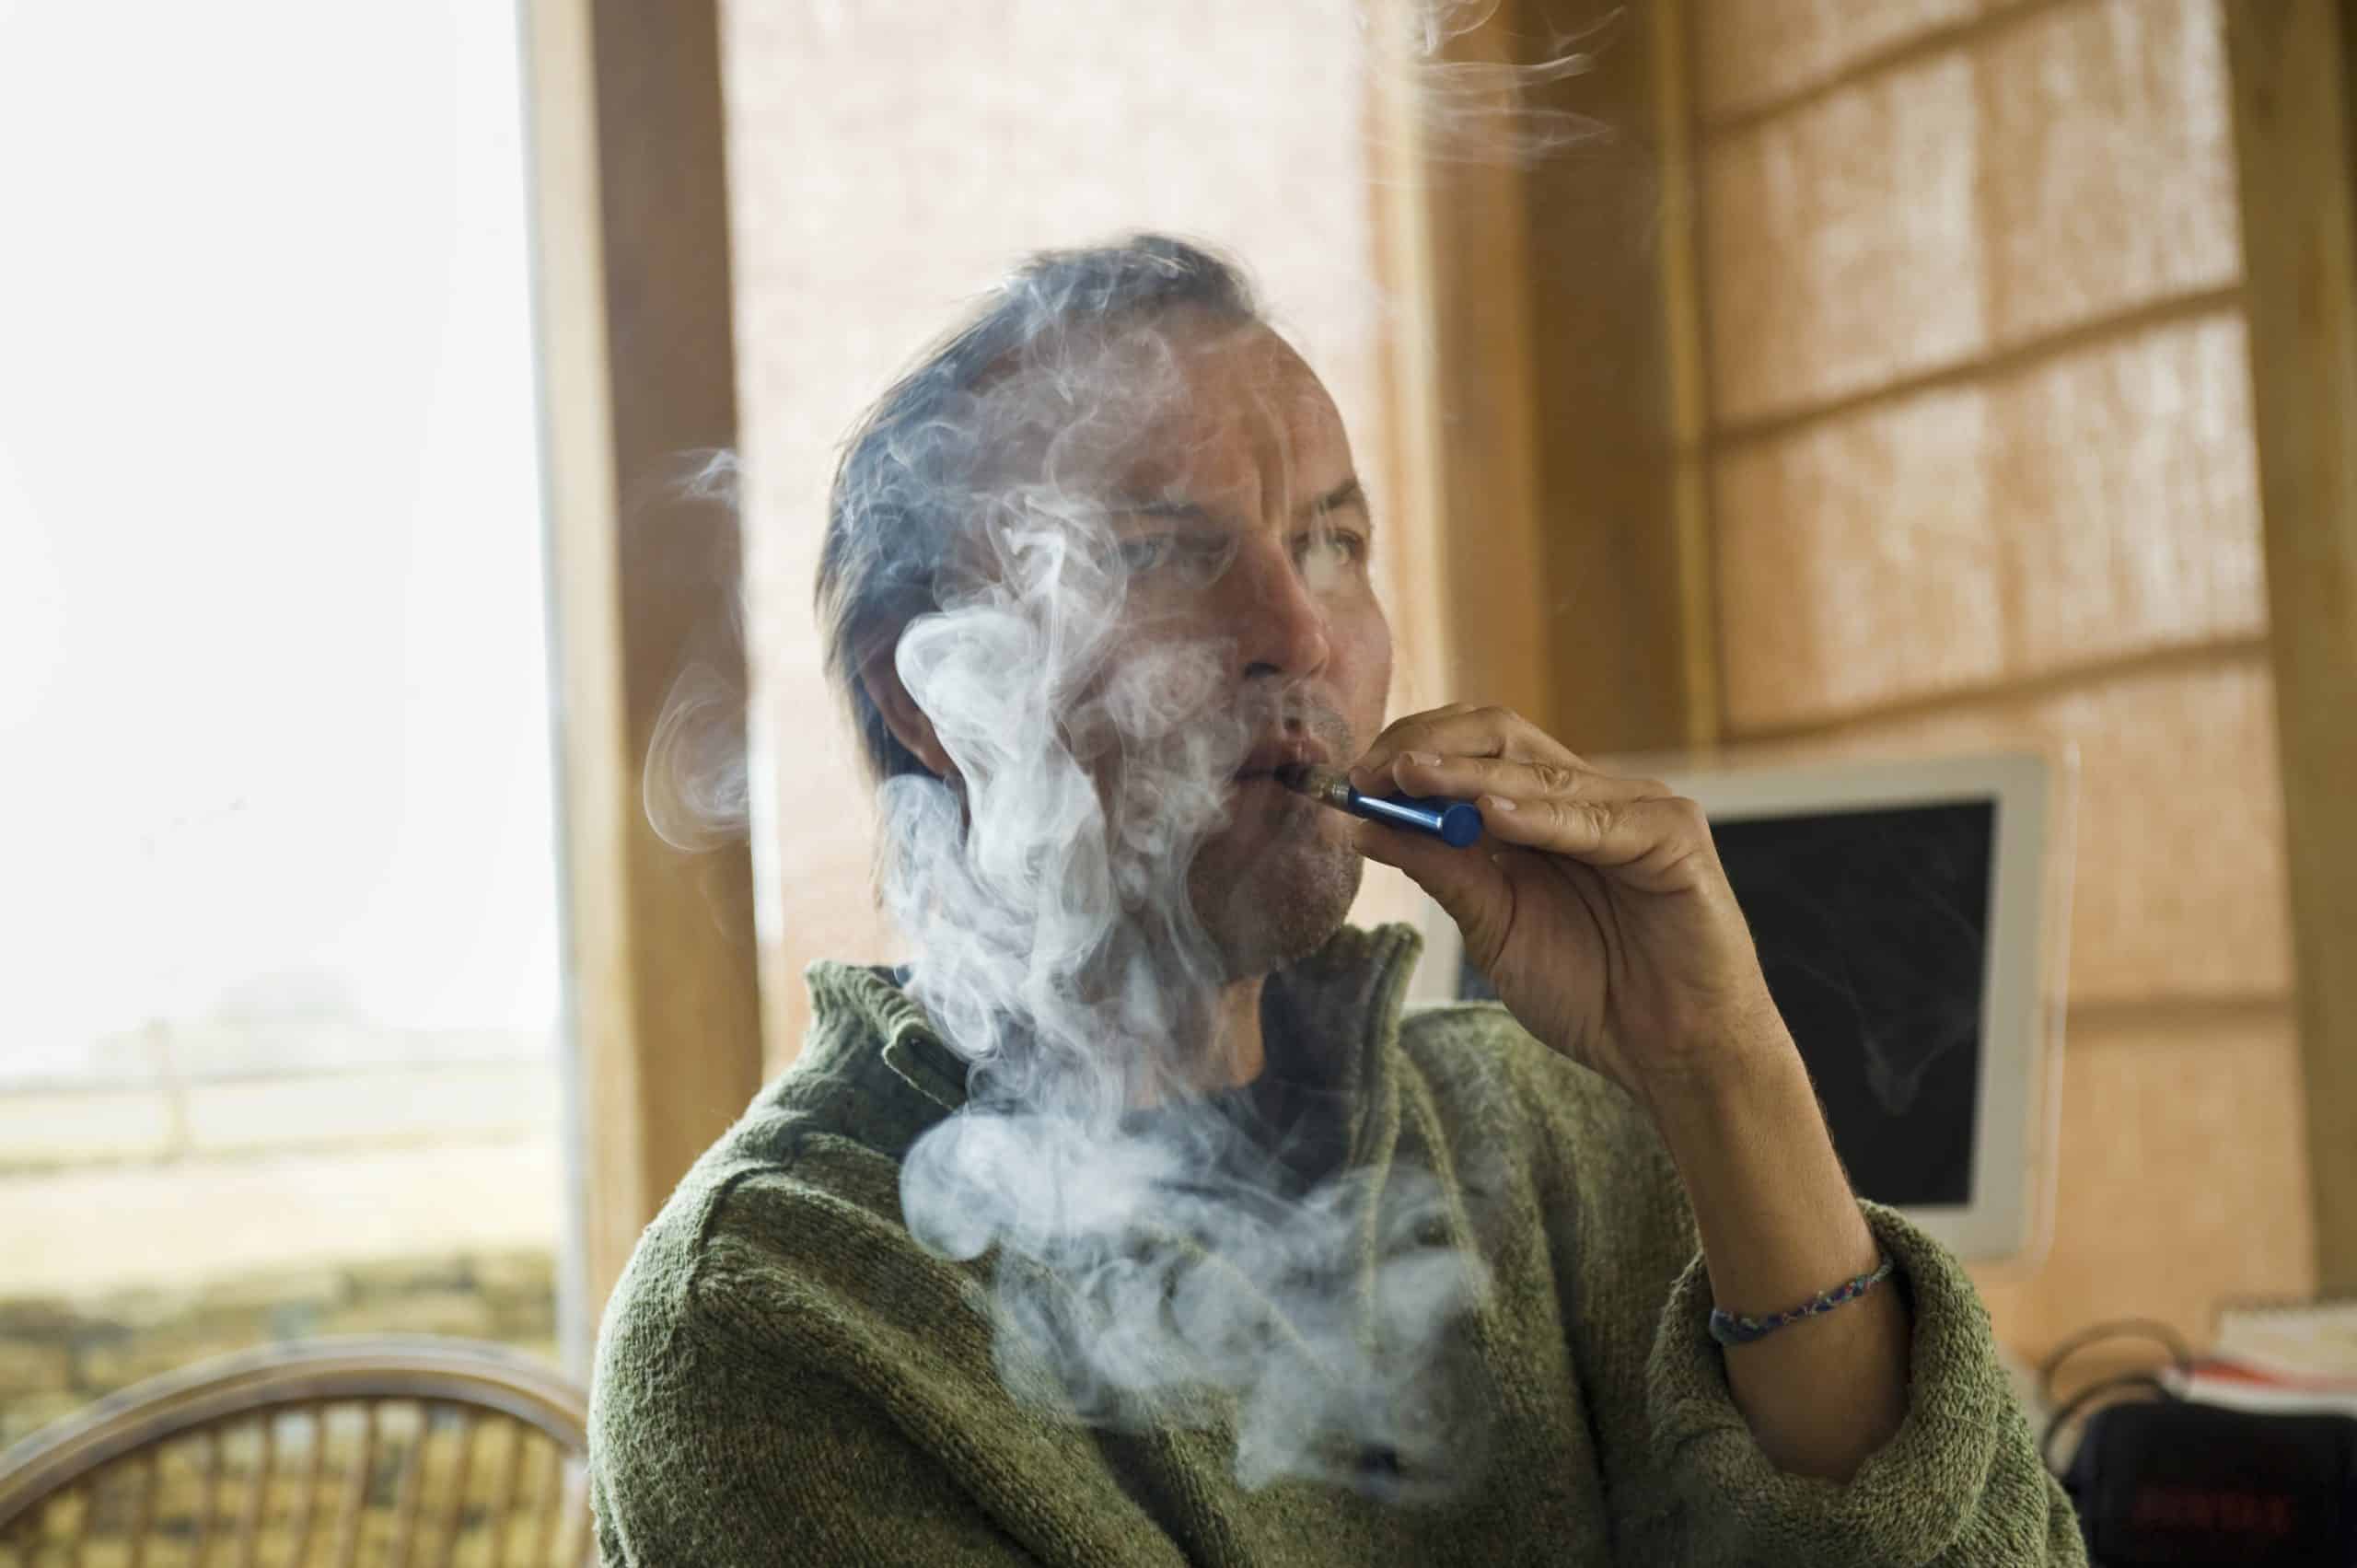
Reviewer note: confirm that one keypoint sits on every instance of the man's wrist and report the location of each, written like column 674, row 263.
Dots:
column 1760, row 1067
column 1776, row 1213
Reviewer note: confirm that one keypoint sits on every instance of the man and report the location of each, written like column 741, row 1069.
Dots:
column 1133, row 1222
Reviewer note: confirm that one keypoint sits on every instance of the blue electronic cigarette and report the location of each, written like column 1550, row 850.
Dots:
column 1456, row 823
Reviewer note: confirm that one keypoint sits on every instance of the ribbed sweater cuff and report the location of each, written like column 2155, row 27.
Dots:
column 1910, row 1501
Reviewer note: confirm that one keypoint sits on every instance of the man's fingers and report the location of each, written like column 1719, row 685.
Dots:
column 1401, row 733
column 1418, row 773
column 1659, row 834
column 1466, row 883
column 1459, row 731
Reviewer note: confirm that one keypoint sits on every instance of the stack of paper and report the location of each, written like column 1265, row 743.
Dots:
column 2312, row 1338
column 2289, row 1357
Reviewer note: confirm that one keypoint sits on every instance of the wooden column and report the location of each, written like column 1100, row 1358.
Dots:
column 1546, row 362
column 1687, row 568
column 1453, row 252
column 2292, row 68
column 1622, row 415
column 631, row 280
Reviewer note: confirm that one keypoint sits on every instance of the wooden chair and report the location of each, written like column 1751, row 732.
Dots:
column 405, row 1452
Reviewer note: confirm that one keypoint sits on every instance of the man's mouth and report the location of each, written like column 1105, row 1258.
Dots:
column 1271, row 757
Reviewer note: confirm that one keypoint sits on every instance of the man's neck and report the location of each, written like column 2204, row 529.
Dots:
column 1235, row 1054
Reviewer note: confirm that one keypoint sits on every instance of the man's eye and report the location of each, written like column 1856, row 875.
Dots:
column 1146, row 553
column 1187, row 558
column 1335, row 546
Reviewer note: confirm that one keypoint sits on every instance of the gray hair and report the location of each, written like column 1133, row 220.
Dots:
column 895, row 510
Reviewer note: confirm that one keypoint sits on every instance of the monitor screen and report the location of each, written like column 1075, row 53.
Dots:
column 1873, row 927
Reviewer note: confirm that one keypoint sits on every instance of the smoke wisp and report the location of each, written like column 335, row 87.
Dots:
column 1481, row 94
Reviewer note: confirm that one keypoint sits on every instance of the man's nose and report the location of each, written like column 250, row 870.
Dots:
column 1283, row 631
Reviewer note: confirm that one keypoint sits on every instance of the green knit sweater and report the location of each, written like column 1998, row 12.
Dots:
column 783, row 1376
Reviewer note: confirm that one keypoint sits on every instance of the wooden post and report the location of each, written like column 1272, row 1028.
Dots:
column 1546, row 368
column 1453, row 253
column 631, row 255
column 1692, row 563
column 2291, row 71
column 1622, row 415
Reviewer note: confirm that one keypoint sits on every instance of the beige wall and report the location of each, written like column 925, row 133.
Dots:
column 887, row 161
column 1983, row 472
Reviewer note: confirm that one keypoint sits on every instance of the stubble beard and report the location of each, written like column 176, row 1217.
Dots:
column 1272, row 906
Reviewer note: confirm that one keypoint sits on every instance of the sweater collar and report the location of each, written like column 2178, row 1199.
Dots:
column 1329, row 1020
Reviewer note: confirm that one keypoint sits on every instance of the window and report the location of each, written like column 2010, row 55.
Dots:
column 280, row 917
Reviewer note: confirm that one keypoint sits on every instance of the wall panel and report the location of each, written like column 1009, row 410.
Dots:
column 1856, row 560
column 1751, row 52
column 2092, row 506
column 2110, row 159
column 2183, row 1182
column 2125, row 489
column 1842, row 243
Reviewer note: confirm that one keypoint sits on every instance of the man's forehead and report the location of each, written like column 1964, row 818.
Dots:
column 1244, row 405
column 1181, row 402
column 1250, row 371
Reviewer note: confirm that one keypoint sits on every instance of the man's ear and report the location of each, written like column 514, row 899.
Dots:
column 880, row 674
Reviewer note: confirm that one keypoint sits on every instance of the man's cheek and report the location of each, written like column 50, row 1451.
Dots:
column 1369, row 686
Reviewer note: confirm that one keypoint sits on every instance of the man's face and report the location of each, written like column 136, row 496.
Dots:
column 1240, row 515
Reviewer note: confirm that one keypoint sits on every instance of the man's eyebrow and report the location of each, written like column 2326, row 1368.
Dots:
column 1347, row 494
column 1177, row 506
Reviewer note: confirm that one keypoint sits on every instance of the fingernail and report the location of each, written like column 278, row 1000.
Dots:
column 1427, row 758
column 1497, row 803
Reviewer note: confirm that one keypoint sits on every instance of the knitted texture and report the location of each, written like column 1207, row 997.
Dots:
column 785, row 1376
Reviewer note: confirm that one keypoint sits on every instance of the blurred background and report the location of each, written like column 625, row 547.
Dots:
column 1835, row 377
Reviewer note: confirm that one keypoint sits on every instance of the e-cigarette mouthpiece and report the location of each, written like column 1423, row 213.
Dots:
column 1456, row 823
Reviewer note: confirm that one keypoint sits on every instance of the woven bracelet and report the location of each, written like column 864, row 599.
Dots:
column 1729, row 1329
